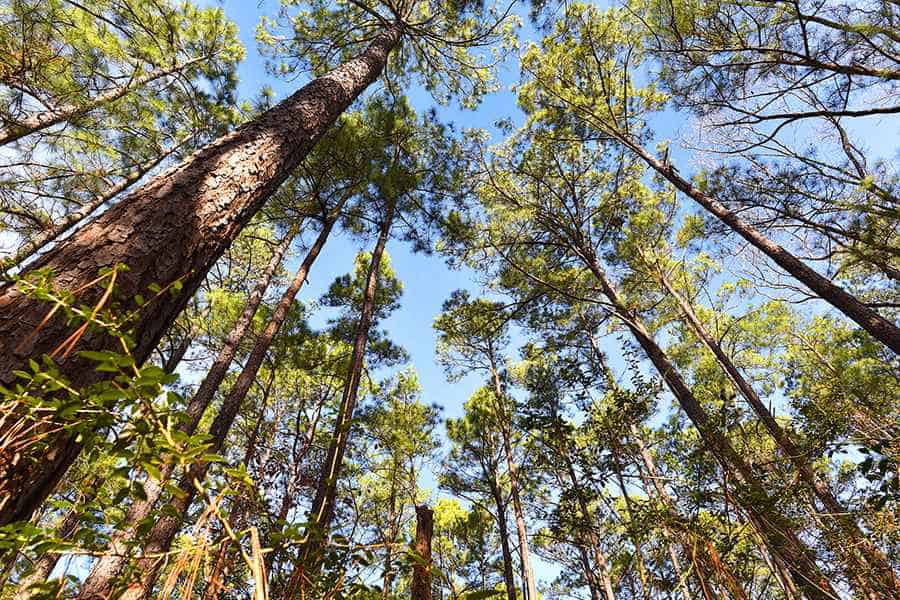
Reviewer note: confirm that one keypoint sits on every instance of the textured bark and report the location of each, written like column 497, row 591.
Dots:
column 879, row 327
column 775, row 529
column 420, row 586
column 48, row 118
column 513, row 468
column 321, row 511
column 38, row 242
column 160, row 538
column 173, row 228
column 867, row 567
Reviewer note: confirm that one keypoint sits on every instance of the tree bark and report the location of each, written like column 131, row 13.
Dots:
column 69, row 525
column 879, row 327
column 38, row 242
column 164, row 531
column 867, row 566
column 173, row 228
column 420, row 586
column 774, row 528
column 48, row 118
column 321, row 512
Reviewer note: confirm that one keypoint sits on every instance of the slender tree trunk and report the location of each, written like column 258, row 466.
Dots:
column 703, row 577
column 589, row 575
column 109, row 565
column 638, row 553
column 44, row 565
column 178, row 352
column 513, row 468
column 173, row 228
column 503, row 533
column 651, row 481
column 593, row 540
column 321, row 511
column 390, row 538
column 871, row 572
column 55, row 230
column 164, row 531
column 879, row 327
column 774, row 528
column 420, row 586
column 60, row 114
column 239, row 514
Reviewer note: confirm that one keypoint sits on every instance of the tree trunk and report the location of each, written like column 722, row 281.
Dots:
column 164, row 531
column 503, row 532
column 775, row 529
column 109, row 565
column 321, row 511
column 38, row 242
column 869, row 569
column 390, row 538
column 518, row 512
column 593, row 540
column 879, row 327
column 702, row 574
column 48, row 118
column 638, row 552
column 69, row 525
column 588, row 571
column 420, row 586
column 44, row 565
column 239, row 513
column 172, row 229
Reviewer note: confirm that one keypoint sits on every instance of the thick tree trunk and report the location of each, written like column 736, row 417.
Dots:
column 164, row 531
column 55, row 230
column 513, row 468
column 868, row 568
column 42, row 120
column 879, row 327
column 321, row 511
column 774, row 528
column 420, row 586
column 172, row 229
